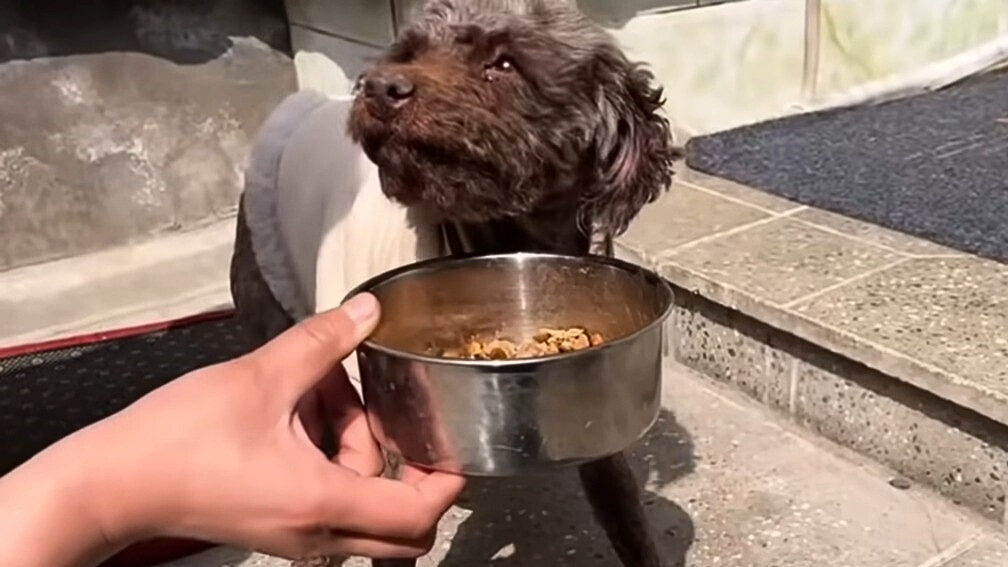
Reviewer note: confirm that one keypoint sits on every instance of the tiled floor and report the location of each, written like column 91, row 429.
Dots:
column 911, row 308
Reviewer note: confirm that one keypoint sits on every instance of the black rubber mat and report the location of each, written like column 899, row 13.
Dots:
column 933, row 165
column 49, row 394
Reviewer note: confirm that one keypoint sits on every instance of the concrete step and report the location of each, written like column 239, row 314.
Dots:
column 727, row 483
column 887, row 344
column 164, row 278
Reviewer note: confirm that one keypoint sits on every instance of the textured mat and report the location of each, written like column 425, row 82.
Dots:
column 934, row 165
column 48, row 394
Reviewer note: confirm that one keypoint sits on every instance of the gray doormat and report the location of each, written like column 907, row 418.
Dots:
column 934, row 166
column 49, row 392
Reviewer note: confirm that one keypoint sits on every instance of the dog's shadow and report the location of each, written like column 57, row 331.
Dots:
column 546, row 519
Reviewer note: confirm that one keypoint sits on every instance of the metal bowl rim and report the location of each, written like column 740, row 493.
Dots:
column 512, row 364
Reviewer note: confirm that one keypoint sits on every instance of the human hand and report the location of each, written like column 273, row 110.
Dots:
column 229, row 454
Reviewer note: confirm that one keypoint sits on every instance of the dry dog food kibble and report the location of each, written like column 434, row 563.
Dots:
column 546, row 342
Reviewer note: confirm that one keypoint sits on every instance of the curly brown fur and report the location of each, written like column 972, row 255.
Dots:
column 515, row 111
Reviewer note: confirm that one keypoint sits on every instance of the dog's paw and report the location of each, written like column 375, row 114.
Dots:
column 393, row 465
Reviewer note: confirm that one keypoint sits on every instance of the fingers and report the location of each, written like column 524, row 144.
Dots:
column 358, row 450
column 305, row 353
column 412, row 475
column 309, row 409
column 376, row 548
column 387, row 508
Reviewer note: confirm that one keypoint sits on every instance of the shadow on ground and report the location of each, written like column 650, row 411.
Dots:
column 545, row 520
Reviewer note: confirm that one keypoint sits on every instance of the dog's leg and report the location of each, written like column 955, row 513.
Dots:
column 612, row 490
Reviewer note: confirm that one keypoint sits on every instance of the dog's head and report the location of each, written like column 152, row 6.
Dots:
column 484, row 109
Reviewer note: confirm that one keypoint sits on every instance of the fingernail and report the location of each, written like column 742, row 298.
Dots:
column 362, row 308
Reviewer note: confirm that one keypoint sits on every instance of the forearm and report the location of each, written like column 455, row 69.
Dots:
column 47, row 515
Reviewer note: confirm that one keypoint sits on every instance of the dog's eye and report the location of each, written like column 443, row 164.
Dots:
column 503, row 63
column 500, row 66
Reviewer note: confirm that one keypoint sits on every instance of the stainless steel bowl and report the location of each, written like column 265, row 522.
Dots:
column 509, row 417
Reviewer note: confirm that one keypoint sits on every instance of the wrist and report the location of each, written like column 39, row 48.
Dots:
column 48, row 500
column 85, row 492
column 108, row 485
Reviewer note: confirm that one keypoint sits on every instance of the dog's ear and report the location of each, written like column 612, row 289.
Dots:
column 632, row 142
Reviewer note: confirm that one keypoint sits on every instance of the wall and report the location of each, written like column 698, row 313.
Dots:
column 868, row 40
column 724, row 64
column 126, row 118
column 334, row 39
column 729, row 65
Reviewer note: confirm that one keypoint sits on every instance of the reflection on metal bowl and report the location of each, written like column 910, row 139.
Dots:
column 509, row 417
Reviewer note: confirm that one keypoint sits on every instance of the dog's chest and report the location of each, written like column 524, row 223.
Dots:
column 337, row 227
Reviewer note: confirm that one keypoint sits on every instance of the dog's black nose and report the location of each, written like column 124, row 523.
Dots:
column 392, row 89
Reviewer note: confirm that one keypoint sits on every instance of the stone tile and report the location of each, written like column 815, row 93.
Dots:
column 989, row 552
column 781, row 261
column 936, row 443
column 726, row 348
column 369, row 21
column 761, row 495
column 684, row 214
column 949, row 313
column 873, row 233
column 736, row 190
column 930, row 442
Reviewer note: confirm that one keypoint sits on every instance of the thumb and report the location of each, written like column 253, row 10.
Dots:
column 304, row 354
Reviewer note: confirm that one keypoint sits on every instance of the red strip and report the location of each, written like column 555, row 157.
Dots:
column 103, row 336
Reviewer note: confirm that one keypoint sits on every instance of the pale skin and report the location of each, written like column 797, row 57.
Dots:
column 229, row 454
